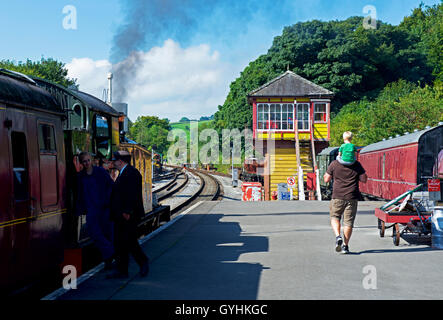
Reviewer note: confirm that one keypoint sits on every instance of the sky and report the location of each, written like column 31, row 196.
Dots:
column 170, row 58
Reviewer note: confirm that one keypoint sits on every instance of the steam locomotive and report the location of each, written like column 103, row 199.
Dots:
column 43, row 126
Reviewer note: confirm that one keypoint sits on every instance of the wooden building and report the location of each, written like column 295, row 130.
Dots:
column 293, row 113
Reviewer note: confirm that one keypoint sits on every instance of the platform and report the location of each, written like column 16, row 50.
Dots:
column 271, row 250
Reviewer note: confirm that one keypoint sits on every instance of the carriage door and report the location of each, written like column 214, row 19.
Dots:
column 303, row 116
column 22, row 202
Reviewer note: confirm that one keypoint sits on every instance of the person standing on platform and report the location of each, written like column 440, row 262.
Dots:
column 126, row 212
column 94, row 192
column 345, row 196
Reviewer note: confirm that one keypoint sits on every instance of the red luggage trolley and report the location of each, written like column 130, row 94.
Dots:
column 417, row 221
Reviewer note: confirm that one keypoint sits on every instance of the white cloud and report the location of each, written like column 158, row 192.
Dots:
column 91, row 75
column 172, row 81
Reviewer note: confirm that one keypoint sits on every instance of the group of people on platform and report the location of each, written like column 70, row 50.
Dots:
column 113, row 210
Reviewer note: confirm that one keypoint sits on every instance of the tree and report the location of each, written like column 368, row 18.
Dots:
column 341, row 56
column 426, row 27
column 401, row 107
column 48, row 69
column 151, row 131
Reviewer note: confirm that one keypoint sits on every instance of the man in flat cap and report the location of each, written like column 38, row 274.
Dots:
column 126, row 212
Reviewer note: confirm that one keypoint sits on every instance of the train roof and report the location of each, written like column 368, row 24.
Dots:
column 93, row 102
column 398, row 141
column 19, row 90
column 327, row 151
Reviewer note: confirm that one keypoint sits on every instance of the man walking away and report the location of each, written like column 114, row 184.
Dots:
column 126, row 212
column 345, row 195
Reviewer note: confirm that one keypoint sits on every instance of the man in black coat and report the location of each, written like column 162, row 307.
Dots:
column 126, row 212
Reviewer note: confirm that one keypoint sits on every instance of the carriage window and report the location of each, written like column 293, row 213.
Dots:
column 46, row 138
column 102, row 136
column 20, row 165
column 320, row 112
column 48, row 165
column 101, row 124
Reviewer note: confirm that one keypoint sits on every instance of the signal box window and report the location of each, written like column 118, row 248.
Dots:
column 275, row 116
column 20, row 165
column 303, row 116
column 320, row 112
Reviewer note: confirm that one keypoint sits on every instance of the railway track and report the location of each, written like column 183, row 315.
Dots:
column 209, row 190
column 172, row 187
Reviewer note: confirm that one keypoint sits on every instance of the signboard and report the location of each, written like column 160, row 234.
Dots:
column 434, row 189
column 285, row 196
column 283, row 193
column 251, row 191
column 291, row 182
column 434, row 185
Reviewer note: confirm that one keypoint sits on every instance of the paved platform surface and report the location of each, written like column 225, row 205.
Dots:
column 273, row 250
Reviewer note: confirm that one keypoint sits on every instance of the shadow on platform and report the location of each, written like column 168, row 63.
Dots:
column 197, row 258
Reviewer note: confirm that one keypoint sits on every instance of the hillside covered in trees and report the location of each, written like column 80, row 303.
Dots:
column 377, row 75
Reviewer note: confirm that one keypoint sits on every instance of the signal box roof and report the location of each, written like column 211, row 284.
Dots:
column 290, row 84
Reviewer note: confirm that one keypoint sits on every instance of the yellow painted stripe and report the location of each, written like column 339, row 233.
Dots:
column 23, row 220
column 43, row 214
column 262, row 100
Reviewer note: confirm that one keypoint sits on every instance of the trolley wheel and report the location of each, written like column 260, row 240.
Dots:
column 396, row 234
column 381, row 227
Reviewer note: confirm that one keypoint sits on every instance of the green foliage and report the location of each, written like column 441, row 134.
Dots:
column 355, row 63
column 151, row 132
column 426, row 25
column 350, row 118
column 401, row 107
column 48, row 69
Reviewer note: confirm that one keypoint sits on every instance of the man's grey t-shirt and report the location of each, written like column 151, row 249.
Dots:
column 346, row 179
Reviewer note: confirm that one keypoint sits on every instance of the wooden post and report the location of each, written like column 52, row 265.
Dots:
column 301, row 191
column 314, row 162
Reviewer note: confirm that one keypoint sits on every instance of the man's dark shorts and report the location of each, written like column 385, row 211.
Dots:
column 347, row 208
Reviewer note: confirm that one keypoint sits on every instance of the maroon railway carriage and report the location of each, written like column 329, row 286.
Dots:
column 397, row 165
column 32, row 180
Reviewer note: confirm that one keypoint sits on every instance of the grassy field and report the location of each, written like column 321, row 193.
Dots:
column 185, row 125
